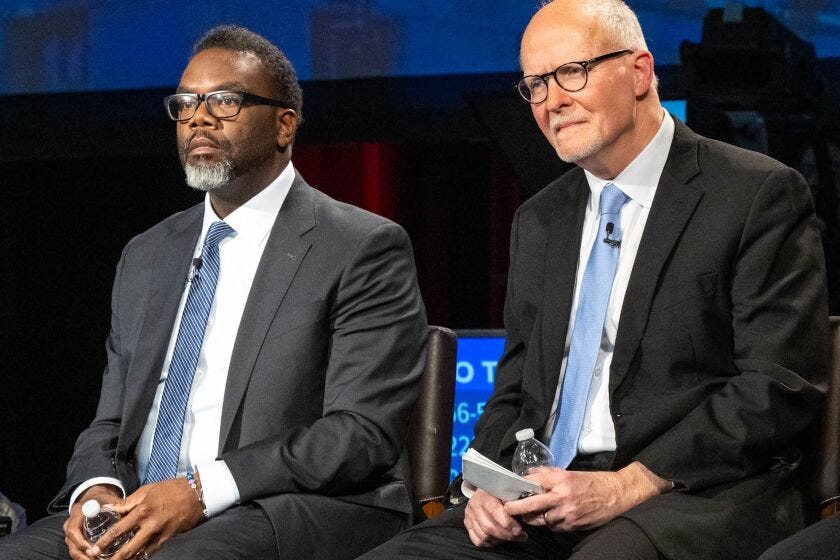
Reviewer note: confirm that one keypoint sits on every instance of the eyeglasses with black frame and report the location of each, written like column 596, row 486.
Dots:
column 571, row 76
column 221, row 104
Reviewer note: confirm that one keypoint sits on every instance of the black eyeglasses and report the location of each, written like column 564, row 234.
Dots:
column 571, row 76
column 221, row 104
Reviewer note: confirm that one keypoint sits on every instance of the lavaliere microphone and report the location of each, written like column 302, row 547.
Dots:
column 196, row 266
column 611, row 242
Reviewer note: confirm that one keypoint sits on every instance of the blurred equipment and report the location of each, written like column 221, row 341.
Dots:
column 12, row 516
column 754, row 83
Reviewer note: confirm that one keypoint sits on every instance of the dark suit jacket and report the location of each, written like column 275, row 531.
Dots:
column 324, row 369
column 723, row 333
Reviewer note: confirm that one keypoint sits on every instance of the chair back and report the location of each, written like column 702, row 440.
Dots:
column 430, row 430
column 826, row 477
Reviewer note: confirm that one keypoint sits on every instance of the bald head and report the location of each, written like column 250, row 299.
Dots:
column 613, row 20
column 607, row 120
column 571, row 16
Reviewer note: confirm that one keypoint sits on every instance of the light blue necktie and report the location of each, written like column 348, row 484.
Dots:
column 589, row 325
column 166, row 446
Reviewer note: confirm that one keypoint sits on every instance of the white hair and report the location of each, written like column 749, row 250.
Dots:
column 620, row 22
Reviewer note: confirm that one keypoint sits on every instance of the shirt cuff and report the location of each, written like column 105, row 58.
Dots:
column 218, row 487
column 93, row 482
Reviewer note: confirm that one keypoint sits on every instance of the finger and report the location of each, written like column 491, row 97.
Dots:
column 153, row 546
column 472, row 521
column 129, row 503
column 128, row 524
column 77, row 544
column 511, row 529
column 73, row 535
column 479, row 538
column 548, row 477
column 134, row 549
column 532, row 504
column 143, row 540
column 543, row 471
column 75, row 553
column 534, row 519
column 495, row 523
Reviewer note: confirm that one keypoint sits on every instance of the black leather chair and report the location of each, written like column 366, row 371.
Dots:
column 430, row 430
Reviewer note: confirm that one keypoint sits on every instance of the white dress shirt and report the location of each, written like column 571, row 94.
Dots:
column 638, row 181
column 239, row 256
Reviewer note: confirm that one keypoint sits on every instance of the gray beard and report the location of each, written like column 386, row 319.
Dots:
column 209, row 177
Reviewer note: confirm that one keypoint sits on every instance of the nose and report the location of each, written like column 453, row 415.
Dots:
column 202, row 117
column 557, row 97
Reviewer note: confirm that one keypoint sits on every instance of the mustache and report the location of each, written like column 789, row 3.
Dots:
column 558, row 120
column 222, row 143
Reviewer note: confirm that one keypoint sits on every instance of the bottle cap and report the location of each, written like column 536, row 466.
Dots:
column 522, row 435
column 90, row 508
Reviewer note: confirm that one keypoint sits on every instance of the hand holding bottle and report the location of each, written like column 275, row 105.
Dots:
column 530, row 453
column 98, row 519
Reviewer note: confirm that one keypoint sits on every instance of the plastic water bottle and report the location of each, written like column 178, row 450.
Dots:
column 530, row 453
column 97, row 520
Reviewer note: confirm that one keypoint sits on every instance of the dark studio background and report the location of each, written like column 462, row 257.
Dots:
column 449, row 157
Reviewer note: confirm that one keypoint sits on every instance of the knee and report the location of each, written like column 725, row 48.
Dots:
column 43, row 539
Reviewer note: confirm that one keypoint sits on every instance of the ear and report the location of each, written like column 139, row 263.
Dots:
column 643, row 72
column 286, row 122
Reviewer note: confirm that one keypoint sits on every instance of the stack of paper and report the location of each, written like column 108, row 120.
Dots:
column 481, row 472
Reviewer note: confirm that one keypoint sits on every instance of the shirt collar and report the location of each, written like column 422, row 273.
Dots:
column 253, row 220
column 639, row 179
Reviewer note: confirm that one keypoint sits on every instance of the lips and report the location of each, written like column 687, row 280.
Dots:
column 202, row 144
column 560, row 125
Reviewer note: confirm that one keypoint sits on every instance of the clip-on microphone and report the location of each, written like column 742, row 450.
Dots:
column 607, row 240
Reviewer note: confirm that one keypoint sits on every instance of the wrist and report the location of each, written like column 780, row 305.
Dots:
column 639, row 484
column 194, row 481
column 98, row 492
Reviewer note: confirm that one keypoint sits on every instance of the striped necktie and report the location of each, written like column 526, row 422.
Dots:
column 166, row 445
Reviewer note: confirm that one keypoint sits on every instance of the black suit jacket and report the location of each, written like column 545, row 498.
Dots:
column 722, row 336
column 323, row 373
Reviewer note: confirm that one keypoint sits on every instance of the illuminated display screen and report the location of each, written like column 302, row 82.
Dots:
column 478, row 353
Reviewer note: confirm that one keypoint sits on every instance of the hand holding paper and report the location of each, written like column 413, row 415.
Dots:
column 481, row 472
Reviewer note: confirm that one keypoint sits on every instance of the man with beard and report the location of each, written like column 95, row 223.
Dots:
column 264, row 352
column 666, row 321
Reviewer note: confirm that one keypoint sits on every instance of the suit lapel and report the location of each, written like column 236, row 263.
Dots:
column 283, row 254
column 672, row 208
column 167, row 275
column 562, row 252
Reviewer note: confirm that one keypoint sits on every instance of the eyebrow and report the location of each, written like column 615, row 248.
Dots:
column 235, row 86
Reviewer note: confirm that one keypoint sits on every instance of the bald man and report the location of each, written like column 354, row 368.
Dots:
column 666, row 324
